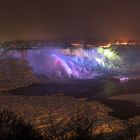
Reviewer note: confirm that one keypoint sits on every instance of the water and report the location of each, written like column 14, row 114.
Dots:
column 90, row 89
column 60, row 63
column 92, row 73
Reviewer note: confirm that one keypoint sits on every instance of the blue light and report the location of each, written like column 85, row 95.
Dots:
column 71, row 63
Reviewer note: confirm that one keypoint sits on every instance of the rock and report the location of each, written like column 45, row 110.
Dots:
column 15, row 73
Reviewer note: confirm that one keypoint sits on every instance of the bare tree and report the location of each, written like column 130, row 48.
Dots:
column 81, row 126
column 13, row 127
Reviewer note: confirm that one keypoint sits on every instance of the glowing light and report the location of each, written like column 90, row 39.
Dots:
column 124, row 43
column 100, row 61
column 70, row 63
column 77, row 44
column 106, row 46
column 108, row 53
column 62, row 64
column 124, row 79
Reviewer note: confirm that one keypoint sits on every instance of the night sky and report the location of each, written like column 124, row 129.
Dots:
column 42, row 19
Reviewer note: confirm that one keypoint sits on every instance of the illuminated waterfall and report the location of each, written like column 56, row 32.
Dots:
column 69, row 63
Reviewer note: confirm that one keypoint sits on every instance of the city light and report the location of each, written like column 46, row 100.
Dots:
column 106, row 46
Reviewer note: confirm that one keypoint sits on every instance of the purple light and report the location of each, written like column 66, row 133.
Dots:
column 69, row 63
column 124, row 79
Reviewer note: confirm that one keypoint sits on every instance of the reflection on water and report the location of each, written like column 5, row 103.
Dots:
column 115, row 88
column 90, row 89
column 110, row 87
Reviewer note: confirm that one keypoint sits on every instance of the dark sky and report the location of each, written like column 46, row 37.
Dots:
column 42, row 19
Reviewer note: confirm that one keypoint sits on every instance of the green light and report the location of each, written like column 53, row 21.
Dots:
column 100, row 50
column 108, row 53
